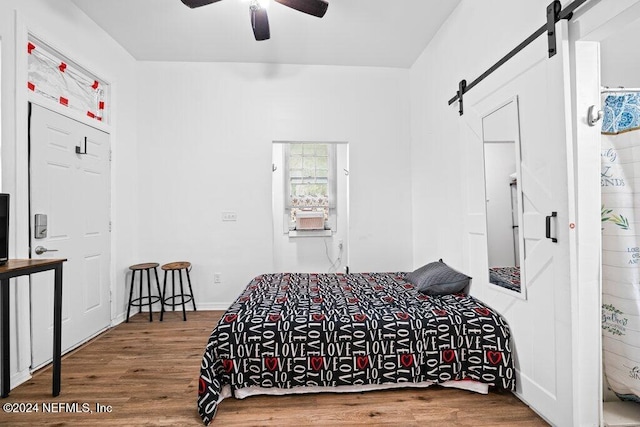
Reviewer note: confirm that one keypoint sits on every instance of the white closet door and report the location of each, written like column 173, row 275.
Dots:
column 73, row 190
column 541, row 323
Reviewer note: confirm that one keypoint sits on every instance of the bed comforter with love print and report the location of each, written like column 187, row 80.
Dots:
column 293, row 330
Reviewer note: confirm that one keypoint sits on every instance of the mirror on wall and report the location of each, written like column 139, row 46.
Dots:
column 503, row 197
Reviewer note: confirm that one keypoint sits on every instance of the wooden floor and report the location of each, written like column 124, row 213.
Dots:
column 145, row 373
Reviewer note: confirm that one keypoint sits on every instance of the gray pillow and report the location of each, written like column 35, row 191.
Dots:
column 437, row 278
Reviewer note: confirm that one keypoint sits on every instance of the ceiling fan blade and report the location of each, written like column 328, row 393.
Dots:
column 197, row 3
column 312, row 7
column 260, row 23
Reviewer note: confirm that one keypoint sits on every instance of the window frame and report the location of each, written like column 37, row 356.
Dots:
column 331, row 207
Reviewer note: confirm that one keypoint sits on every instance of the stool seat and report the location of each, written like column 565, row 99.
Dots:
column 144, row 266
column 178, row 265
column 177, row 299
column 149, row 299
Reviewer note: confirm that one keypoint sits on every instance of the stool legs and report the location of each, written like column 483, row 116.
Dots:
column 193, row 300
column 133, row 275
column 148, row 293
column 184, row 313
column 173, row 288
column 155, row 271
column 140, row 291
column 164, row 293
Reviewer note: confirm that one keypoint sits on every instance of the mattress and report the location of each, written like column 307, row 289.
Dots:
column 294, row 332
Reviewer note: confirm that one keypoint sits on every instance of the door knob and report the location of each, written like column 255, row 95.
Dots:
column 41, row 249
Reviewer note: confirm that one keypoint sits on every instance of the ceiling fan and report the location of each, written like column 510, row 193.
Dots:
column 259, row 19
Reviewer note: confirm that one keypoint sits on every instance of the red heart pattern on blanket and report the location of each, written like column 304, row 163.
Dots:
column 271, row 363
column 361, row 317
column 228, row 365
column 402, row 316
column 362, row 362
column 274, row 317
column 230, row 318
column 448, row 355
column 494, row 357
column 482, row 311
column 317, row 362
column 406, row 360
column 318, row 317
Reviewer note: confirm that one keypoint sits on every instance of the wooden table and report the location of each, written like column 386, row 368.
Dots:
column 22, row 267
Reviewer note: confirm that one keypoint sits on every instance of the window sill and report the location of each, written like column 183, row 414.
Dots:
column 310, row 233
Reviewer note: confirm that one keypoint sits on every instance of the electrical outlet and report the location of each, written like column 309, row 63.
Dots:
column 217, row 277
column 229, row 216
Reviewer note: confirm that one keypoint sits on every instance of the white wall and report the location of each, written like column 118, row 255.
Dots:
column 63, row 26
column 205, row 146
column 620, row 58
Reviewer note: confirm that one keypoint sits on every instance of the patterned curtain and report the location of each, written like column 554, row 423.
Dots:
column 620, row 181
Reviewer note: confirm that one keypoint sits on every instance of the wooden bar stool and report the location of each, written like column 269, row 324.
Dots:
column 150, row 299
column 183, row 298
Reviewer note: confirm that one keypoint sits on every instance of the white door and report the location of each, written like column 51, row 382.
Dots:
column 73, row 191
column 541, row 323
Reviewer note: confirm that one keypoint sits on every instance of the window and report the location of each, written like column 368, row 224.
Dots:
column 310, row 181
column 53, row 76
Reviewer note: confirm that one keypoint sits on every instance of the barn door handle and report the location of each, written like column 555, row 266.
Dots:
column 79, row 149
column 548, row 227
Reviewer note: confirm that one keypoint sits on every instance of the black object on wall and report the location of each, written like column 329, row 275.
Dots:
column 4, row 228
column 554, row 14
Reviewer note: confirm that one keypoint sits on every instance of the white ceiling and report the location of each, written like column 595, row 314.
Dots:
column 379, row 33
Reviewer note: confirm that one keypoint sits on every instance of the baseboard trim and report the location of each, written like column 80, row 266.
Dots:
column 211, row 306
column 19, row 378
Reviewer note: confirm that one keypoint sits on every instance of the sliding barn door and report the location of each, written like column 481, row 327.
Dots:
column 541, row 323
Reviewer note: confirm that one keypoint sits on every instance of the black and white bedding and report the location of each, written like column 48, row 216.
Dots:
column 507, row 277
column 294, row 332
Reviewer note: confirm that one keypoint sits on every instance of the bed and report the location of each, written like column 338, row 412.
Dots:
column 297, row 333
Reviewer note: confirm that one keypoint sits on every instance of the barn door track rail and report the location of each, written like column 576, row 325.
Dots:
column 555, row 13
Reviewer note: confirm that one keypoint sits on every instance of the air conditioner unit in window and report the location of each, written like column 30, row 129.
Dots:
column 309, row 220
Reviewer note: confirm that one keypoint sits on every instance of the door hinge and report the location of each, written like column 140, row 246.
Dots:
column 109, row 226
column 110, row 155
